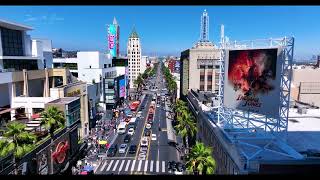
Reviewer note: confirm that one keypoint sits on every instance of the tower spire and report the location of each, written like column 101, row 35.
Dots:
column 115, row 20
column 204, row 27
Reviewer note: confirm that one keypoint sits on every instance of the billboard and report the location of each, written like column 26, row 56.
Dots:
column 112, row 38
column 252, row 81
column 122, row 88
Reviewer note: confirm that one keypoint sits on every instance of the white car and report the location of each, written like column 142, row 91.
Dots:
column 122, row 148
column 139, row 114
column 148, row 126
column 153, row 137
column 131, row 131
column 158, row 105
column 144, row 141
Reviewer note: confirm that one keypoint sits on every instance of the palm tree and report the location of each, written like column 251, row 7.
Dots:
column 18, row 141
column 186, row 126
column 53, row 119
column 200, row 160
column 179, row 107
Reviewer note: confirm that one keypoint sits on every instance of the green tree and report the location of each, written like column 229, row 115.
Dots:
column 138, row 82
column 200, row 160
column 186, row 126
column 53, row 119
column 18, row 141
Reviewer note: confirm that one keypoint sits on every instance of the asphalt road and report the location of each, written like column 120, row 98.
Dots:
column 158, row 152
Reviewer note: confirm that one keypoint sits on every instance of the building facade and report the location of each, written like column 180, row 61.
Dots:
column 134, row 57
column 305, row 85
column 199, row 68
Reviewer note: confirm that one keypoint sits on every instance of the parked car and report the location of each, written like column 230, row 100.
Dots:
column 127, row 138
column 122, row 148
column 132, row 149
column 131, row 131
column 112, row 150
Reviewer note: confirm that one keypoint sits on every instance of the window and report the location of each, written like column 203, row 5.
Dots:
column 217, row 66
column 201, row 87
column 201, row 77
column 210, row 66
column 209, row 88
column 90, row 67
column 209, row 77
column 11, row 42
column 19, row 64
column 105, row 65
column 202, row 66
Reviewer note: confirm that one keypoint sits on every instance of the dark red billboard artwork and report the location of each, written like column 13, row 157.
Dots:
column 251, row 71
column 60, row 152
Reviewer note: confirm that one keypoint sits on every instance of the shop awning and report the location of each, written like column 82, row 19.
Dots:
column 35, row 116
column 103, row 142
column 7, row 110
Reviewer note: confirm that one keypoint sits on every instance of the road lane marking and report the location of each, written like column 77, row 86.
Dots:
column 157, row 166
column 139, row 165
column 121, row 165
column 132, row 166
column 103, row 166
column 127, row 166
column 163, row 166
column 151, row 166
column 115, row 166
column 108, row 168
column 145, row 166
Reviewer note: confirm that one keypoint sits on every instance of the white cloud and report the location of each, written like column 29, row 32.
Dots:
column 44, row 19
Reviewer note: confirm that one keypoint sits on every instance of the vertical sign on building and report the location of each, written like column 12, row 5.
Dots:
column 117, row 39
column 112, row 40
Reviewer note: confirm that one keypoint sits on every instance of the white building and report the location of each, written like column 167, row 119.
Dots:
column 94, row 67
column 134, row 57
column 144, row 62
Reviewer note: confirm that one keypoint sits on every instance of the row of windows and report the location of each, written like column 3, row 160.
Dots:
column 19, row 64
column 11, row 42
column 208, row 67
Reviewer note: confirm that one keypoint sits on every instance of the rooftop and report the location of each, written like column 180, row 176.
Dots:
column 65, row 100
column 134, row 33
column 14, row 26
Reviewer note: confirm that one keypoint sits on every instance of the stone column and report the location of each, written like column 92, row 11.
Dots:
column 25, row 83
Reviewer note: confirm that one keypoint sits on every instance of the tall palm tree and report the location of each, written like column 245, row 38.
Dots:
column 200, row 160
column 18, row 141
column 186, row 126
column 53, row 119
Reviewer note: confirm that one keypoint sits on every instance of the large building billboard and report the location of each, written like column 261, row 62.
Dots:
column 122, row 88
column 252, row 81
column 112, row 40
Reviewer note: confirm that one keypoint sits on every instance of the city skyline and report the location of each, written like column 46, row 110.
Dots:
column 167, row 30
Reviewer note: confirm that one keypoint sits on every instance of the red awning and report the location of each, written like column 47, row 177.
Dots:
column 35, row 116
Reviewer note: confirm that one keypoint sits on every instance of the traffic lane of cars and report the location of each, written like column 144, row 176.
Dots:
column 135, row 139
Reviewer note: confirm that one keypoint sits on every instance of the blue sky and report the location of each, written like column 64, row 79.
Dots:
column 168, row 30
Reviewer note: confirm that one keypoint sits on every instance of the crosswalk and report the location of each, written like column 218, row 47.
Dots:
column 128, row 166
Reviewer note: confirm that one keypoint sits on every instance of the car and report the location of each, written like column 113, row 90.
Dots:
column 150, row 122
column 158, row 105
column 131, row 131
column 122, row 148
column 144, row 141
column 112, row 150
column 148, row 126
column 132, row 149
column 127, row 138
column 179, row 166
column 153, row 137
column 147, row 132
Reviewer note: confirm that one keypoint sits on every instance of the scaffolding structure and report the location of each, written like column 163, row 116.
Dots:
column 247, row 130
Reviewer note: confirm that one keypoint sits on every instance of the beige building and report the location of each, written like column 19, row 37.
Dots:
column 77, row 89
column 305, row 85
column 199, row 68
